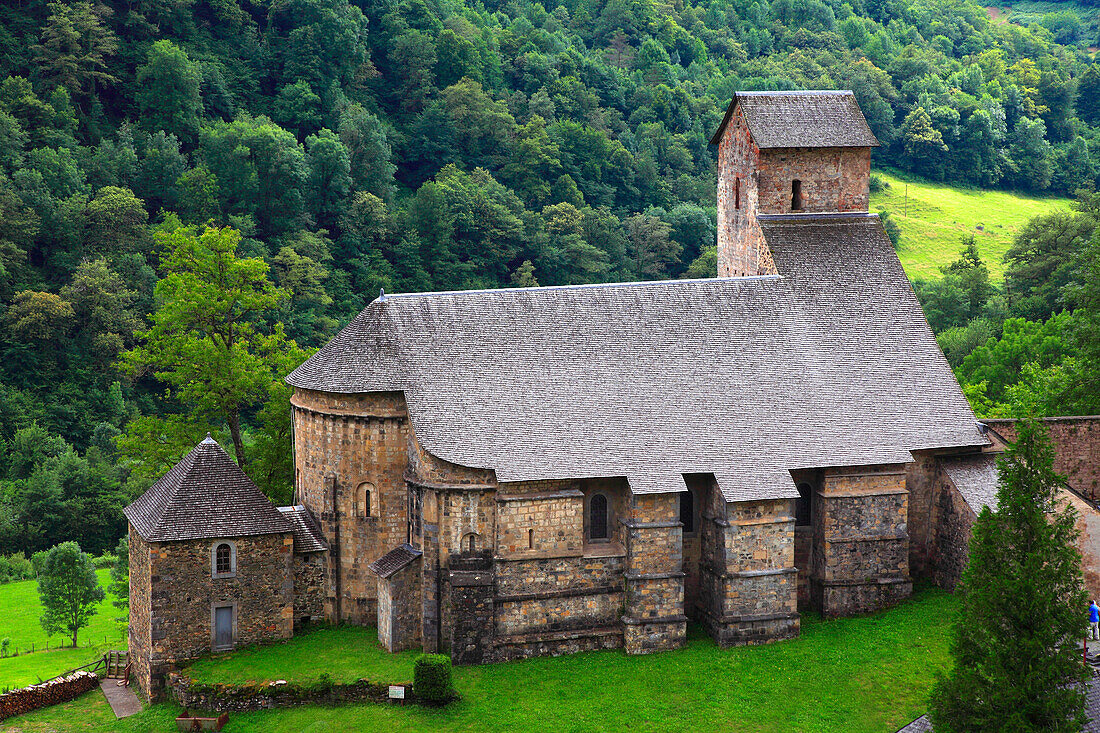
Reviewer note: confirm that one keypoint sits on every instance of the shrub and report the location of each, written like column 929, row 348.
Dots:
column 5, row 644
column 38, row 561
column 104, row 561
column 432, row 678
column 878, row 183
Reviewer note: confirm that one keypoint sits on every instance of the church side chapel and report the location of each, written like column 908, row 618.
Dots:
column 504, row 474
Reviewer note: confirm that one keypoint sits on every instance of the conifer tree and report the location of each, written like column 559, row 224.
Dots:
column 1017, row 640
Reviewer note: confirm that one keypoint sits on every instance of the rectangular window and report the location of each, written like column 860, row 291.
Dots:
column 737, row 193
column 796, row 195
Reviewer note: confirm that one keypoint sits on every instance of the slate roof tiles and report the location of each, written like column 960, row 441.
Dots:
column 809, row 119
column 829, row 363
column 204, row 496
column 307, row 535
column 975, row 477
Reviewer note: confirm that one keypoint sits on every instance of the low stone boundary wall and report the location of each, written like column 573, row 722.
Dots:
column 228, row 698
column 51, row 692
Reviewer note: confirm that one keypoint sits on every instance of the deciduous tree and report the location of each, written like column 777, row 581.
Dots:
column 69, row 590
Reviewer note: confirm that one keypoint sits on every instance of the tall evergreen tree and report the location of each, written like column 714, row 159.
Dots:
column 1016, row 649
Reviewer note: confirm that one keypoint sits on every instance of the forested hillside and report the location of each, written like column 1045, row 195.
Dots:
column 338, row 147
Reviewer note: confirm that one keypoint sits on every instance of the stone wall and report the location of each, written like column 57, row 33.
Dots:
column 741, row 247
column 754, row 581
column 653, row 616
column 351, row 450
column 139, row 632
column 1077, row 449
column 921, row 477
column 229, row 698
column 183, row 596
column 309, row 588
column 399, row 609
column 861, row 542
column 833, row 179
column 951, row 537
column 539, row 524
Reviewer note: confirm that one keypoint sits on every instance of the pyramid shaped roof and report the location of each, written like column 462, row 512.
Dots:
column 205, row 495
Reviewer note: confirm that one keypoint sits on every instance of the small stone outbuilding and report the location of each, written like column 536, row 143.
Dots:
column 213, row 566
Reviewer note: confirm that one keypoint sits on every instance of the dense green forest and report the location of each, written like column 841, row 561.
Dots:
column 336, row 147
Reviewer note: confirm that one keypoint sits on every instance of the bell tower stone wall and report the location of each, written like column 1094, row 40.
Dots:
column 753, row 182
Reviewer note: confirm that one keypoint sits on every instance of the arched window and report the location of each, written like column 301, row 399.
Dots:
column 687, row 511
column 469, row 542
column 223, row 559
column 597, row 518
column 363, row 496
column 796, row 195
column 802, row 505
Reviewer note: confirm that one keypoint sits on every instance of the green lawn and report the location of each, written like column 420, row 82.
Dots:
column 861, row 675
column 19, row 613
column 937, row 216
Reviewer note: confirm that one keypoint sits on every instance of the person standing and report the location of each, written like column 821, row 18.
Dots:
column 1094, row 621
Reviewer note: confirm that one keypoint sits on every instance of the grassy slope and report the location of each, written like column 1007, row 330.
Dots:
column 861, row 675
column 940, row 215
column 19, row 613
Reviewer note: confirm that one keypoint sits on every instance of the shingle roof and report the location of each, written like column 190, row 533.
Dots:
column 830, row 364
column 394, row 560
column 920, row 725
column 307, row 535
column 811, row 119
column 205, row 495
column 976, row 479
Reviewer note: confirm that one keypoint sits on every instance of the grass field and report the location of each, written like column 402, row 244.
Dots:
column 19, row 613
column 938, row 216
column 861, row 675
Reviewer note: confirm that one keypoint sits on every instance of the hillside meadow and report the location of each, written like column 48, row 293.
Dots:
column 19, row 613
column 869, row 674
column 934, row 217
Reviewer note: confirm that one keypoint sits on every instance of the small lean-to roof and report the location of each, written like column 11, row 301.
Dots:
column 810, row 119
column 204, row 496
column 975, row 477
column 307, row 535
column 830, row 363
column 394, row 560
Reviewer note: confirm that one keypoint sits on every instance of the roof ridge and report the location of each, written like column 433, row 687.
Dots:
column 586, row 286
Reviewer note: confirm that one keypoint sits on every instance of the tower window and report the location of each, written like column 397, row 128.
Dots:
column 796, row 195
column 737, row 193
column 530, row 539
column 597, row 518
column 363, row 499
column 687, row 511
column 470, row 542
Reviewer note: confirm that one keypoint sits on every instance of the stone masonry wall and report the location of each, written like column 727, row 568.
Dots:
column 183, row 596
column 861, row 542
column 346, row 446
column 1077, row 449
column 921, row 481
column 654, row 617
column 756, row 584
column 833, row 179
column 309, row 588
column 741, row 247
column 399, row 609
column 140, row 626
column 951, row 537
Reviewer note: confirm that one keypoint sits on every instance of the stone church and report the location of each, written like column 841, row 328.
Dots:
column 520, row 472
